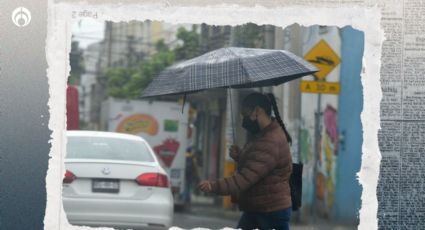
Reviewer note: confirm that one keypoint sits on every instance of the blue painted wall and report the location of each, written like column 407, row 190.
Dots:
column 348, row 190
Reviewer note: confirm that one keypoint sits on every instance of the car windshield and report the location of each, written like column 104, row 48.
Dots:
column 107, row 148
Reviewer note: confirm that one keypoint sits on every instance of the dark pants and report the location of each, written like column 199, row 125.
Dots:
column 187, row 190
column 278, row 220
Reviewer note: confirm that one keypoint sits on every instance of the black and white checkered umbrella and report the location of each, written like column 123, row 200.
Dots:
column 230, row 68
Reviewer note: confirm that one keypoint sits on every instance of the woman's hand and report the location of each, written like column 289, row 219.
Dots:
column 205, row 186
column 234, row 151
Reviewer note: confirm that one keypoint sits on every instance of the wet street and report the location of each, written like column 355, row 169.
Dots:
column 191, row 220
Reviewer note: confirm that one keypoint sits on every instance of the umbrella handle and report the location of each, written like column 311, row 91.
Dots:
column 231, row 115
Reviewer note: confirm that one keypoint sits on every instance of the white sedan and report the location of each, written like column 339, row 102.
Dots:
column 115, row 180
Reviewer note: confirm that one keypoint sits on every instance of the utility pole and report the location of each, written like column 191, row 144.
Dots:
column 130, row 51
column 269, row 36
column 269, row 33
column 109, row 41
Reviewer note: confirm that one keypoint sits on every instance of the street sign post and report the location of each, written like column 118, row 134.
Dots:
column 325, row 59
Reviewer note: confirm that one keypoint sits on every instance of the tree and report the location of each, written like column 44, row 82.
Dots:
column 190, row 46
column 148, row 70
column 76, row 62
column 249, row 35
column 129, row 83
column 117, row 82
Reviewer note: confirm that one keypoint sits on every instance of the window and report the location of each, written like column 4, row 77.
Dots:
column 107, row 148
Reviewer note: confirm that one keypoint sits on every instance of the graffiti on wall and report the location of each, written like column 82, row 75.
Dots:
column 305, row 146
column 330, row 120
column 320, row 184
column 306, row 157
column 326, row 174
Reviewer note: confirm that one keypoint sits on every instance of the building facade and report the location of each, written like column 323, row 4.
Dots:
column 125, row 44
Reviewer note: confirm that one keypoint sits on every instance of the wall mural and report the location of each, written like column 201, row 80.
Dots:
column 326, row 174
column 306, row 153
column 306, row 157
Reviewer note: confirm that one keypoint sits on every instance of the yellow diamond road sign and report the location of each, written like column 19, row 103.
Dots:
column 323, row 57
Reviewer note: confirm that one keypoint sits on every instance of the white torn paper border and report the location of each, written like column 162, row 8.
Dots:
column 58, row 46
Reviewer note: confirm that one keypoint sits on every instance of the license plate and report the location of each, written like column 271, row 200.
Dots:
column 103, row 185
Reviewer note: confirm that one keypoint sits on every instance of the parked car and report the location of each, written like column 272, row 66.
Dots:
column 115, row 180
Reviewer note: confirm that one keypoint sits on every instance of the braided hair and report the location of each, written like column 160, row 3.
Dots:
column 278, row 118
column 267, row 102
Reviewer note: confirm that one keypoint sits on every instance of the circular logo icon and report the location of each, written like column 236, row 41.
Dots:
column 106, row 171
column 21, row 16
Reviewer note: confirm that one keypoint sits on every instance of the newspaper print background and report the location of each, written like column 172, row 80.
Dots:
column 399, row 203
column 363, row 18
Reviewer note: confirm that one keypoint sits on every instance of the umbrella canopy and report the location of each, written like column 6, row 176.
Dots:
column 230, row 67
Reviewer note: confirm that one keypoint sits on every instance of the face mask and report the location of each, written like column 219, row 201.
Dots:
column 250, row 125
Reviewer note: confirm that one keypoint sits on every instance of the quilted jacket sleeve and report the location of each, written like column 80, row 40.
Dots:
column 259, row 162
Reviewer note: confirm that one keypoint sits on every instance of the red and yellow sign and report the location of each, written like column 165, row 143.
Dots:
column 139, row 123
column 323, row 57
column 167, row 151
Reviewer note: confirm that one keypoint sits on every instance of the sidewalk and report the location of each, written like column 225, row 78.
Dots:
column 207, row 208
column 212, row 210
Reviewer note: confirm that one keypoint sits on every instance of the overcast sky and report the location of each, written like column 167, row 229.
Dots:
column 88, row 31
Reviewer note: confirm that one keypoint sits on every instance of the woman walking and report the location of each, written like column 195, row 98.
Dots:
column 260, row 186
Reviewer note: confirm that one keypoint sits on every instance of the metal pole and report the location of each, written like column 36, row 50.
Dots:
column 318, row 128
